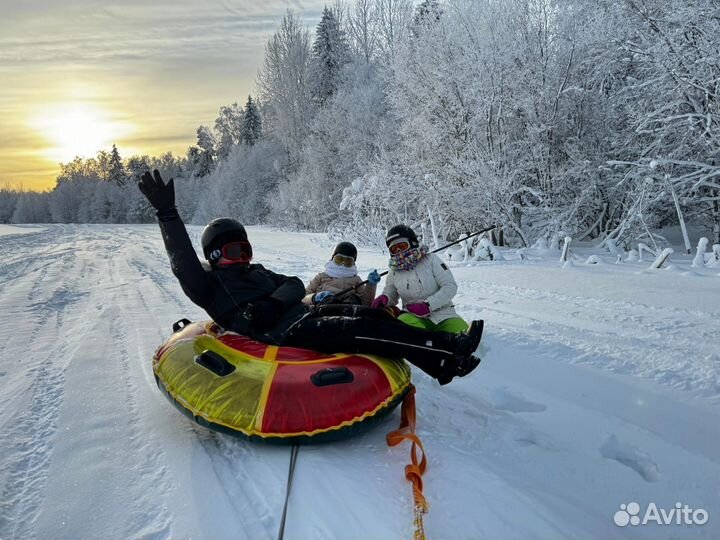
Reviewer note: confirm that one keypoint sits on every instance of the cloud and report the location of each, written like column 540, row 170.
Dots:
column 167, row 65
column 178, row 38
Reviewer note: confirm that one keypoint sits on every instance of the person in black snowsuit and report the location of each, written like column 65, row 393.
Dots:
column 254, row 301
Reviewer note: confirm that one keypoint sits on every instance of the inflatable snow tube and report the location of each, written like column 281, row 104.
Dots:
column 233, row 384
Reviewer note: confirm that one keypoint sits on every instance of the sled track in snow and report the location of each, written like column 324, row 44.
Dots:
column 145, row 513
column 160, row 280
column 43, row 353
column 256, row 504
column 30, row 456
column 34, row 434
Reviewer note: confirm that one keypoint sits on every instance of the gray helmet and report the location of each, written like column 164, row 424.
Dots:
column 221, row 231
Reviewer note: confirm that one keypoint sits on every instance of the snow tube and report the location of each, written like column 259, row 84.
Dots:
column 233, row 384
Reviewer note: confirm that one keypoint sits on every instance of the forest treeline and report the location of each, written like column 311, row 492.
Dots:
column 597, row 119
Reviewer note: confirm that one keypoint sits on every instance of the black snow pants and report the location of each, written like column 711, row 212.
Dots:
column 359, row 329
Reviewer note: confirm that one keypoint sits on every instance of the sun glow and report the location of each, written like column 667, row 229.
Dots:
column 78, row 129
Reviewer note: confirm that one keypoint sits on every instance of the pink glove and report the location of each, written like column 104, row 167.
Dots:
column 421, row 309
column 380, row 302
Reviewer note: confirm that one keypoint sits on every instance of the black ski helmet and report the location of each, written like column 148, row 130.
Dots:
column 401, row 231
column 347, row 249
column 221, row 231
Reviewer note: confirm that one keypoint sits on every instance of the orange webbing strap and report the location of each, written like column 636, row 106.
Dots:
column 414, row 470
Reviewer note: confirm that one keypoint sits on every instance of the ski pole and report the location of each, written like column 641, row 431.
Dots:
column 350, row 289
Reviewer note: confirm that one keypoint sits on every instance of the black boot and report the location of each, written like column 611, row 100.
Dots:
column 468, row 342
column 463, row 361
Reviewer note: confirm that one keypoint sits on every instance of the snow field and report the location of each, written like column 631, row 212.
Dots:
column 599, row 387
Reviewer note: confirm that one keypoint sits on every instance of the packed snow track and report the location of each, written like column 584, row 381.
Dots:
column 599, row 387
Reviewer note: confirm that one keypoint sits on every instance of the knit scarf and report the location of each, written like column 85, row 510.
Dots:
column 408, row 259
column 335, row 270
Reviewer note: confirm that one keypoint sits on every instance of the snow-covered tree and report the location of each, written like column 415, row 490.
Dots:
column 73, row 189
column 116, row 169
column 675, row 113
column 362, row 29
column 8, row 202
column 31, row 208
column 251, row 124
column 136, row 166
column 102, row 165
column 242, row 185
column 228, row 129
column 330, row 55
column 480, row 96
column 427, row 13
column 139, row 210
column 393, row 24
column 346, row 137
column 204, row 157
column 594, row 119
column 284, row 84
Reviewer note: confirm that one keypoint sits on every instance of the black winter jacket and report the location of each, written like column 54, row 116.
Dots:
column 226, row 292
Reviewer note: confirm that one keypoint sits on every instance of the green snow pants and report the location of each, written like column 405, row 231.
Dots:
column 453, row 325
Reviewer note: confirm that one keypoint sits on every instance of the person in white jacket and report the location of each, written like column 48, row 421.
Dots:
column 422, row 281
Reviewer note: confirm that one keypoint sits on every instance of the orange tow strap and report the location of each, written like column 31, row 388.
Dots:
column 414, row 470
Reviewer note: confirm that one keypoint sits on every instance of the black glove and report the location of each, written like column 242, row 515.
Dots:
column 160, row 195
column 264, row 313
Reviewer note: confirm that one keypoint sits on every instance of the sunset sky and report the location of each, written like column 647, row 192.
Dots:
column 80, row 75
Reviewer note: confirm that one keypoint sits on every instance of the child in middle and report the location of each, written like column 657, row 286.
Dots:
column 341, row 274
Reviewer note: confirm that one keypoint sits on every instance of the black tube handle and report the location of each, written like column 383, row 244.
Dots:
column 215, row 363
column 329, row 376
column 179, row 325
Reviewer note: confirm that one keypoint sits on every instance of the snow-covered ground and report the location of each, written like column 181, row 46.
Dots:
column 18, row 229
column 599, row 387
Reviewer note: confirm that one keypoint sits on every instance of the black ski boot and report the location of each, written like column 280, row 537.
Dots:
column 464, row 361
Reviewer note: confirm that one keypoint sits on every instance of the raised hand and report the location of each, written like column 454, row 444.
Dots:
column 160, row 195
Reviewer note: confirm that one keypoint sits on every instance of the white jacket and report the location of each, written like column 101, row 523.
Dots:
column 430, row 281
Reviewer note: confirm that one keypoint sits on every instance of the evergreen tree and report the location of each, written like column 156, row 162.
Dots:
column 330, row 54
column 116, row 169
column 427, row 12
column 251, row 127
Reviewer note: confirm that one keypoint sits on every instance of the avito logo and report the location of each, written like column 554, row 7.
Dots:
column 681, row 514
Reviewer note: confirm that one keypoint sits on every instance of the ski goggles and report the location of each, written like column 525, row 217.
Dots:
column 343, row 260
column 237, row 252
column 399, row 245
